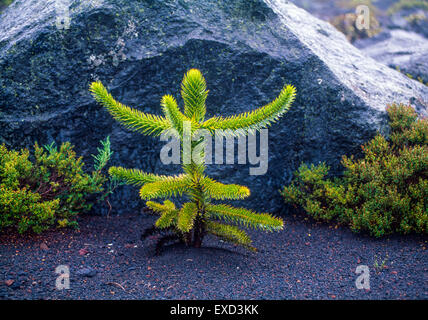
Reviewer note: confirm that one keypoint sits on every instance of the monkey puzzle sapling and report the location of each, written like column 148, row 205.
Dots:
column 199, row 216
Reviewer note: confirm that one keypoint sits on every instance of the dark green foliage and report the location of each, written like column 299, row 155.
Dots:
column 384, row 192
column 50, row 190
column 408, row 4
column 4, row 4
column 346, row 23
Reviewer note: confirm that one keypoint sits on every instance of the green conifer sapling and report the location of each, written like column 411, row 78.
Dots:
column 199, row 216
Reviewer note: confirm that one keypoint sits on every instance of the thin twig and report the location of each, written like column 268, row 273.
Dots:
column 117, row 285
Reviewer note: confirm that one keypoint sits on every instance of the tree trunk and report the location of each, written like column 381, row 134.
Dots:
column 199, row 232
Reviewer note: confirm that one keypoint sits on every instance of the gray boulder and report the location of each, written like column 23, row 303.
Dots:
column 87, row 272
column 247, row 50
column 410, row 19
column 399, row 49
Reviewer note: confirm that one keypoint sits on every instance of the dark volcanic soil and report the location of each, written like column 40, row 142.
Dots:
column 307, row 260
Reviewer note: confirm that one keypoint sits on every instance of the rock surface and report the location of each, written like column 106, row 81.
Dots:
column 406, row 51
column 87, row 272
column 413, row 19
column 403, row 42
column 247, row 49
column 327, row 9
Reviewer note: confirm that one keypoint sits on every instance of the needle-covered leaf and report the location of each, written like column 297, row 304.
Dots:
column 194, row 93
column 135, row 176
column 168, row 212
column 245, row 217
column 230, row 233
column 165, row 188
column 253, row 120
column 220, row 191
column 173, row 113
column 132, row 119
column 186, row 217
column 161, row 208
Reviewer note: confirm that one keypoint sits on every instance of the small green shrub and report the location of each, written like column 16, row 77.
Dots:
column 408, row 4
column 346, row 23
column 49, row 190
column 4, row 4
column 386, row 191
column 408, row 75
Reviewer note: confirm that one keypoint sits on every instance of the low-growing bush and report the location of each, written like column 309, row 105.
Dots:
column 385, row 191
column 4, row 4
column 347, row 23
column 408, row 4
column 47, row 188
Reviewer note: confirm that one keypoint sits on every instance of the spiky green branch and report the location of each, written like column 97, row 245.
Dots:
column 130, row 118
column 254, row 120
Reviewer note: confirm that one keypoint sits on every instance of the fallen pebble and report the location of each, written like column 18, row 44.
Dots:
column 87, row 272
column 82, row 252
column 9, row 282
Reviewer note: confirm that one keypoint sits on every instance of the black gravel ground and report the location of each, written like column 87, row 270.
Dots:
column 307, row 260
